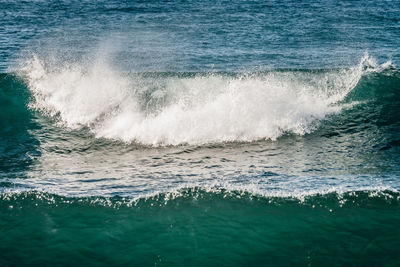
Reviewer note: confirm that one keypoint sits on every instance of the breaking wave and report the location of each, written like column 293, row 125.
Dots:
column 188, row 108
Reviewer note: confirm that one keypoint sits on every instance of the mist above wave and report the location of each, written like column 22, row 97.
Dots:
column 204, row 108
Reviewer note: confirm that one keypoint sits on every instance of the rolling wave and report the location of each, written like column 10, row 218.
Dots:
column 161, row 109
column 53, row 114
column 328, row 199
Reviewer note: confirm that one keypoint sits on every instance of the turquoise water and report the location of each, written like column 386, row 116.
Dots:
column 199, row 228
column 192, row 133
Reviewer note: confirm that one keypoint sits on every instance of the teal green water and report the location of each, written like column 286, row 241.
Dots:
column 200, row 228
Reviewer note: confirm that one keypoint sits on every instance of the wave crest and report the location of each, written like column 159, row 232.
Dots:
column 161, row 109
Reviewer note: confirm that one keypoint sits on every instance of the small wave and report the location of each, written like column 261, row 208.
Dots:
column 294, row 189
column 205, row 108
column 199, row 194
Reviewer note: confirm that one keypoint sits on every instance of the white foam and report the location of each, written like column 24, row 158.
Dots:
column 196, row 110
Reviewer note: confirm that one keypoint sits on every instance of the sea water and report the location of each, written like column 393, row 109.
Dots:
column 199, row 133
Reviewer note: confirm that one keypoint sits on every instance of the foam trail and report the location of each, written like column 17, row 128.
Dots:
column 172, row 110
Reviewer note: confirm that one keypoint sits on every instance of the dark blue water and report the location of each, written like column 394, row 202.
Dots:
column 199, row 133
column 204, row 35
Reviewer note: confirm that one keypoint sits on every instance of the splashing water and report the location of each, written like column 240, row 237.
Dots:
column 194, row 109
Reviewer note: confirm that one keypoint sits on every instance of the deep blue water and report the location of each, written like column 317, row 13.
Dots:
column 204, row 35
column 199, row 133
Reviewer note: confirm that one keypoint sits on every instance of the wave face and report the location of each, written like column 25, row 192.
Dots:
column 162, row 109
column 16, row 119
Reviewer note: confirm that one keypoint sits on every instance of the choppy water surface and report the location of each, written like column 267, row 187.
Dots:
column 192, row 133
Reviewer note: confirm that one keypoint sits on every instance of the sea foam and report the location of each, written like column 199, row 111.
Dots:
column 161, row 109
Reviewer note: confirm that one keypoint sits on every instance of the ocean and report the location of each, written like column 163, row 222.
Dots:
column 199, row 133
